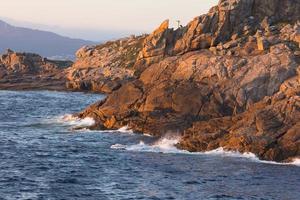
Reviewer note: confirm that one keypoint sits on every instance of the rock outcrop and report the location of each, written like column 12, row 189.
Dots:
column 228, row 79
column 104, row 68
column 31, row 71
column 229, row 22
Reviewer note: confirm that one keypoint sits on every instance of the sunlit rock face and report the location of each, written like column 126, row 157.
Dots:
column 230, row 79
column 31, row 71
column 104, row 68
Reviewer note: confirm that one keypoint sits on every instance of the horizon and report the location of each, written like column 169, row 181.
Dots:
column 95, row 22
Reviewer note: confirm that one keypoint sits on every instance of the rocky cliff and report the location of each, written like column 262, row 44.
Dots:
column 31, row 71
column 230, row 78
column 230, row 22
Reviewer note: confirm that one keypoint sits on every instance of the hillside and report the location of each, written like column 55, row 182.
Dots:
column 42, row 42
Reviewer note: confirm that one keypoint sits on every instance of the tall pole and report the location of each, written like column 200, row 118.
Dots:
column 178, row 22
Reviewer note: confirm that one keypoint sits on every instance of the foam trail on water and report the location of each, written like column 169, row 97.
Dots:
column 167, row 145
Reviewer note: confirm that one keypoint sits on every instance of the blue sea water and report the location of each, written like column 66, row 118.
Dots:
column 43, row 157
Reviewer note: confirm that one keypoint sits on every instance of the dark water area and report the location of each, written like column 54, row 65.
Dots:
column 42, row 157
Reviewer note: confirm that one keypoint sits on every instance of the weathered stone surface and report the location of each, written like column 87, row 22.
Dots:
column 224, row 23
column 211, row 82
column 268, row 129
column 215, row 81
column 105, row 67
column 31, row 71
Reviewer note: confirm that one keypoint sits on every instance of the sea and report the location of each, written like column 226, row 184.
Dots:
column 45, row 153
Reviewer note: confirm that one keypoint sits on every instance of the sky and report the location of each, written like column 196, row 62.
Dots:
column 100, row 19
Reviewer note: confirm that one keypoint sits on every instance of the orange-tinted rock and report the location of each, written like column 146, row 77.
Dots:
column 103, row 68
column 214, row 84
column 31, row 71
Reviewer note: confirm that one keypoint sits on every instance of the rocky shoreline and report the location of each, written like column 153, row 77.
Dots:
column 28, row 71
column 230, row 79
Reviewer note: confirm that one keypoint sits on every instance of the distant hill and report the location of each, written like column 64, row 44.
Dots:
column 45, row 43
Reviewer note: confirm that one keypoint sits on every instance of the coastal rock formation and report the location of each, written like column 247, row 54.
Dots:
column 105, row 67
column 31, row 71
column 229, row 21
column 269, row 128
column 228, row 79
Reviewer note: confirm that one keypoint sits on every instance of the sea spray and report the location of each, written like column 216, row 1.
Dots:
column 168, row 145
column 296, row 161
column 125, row 129
column 71, row 121
column 163, row 145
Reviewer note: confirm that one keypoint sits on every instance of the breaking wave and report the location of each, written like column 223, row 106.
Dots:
column 296, row 162
column 168, row 146
column 125, row 129
column 251, row 156
column 164, row 145
column 72, row 121
column 78, row 124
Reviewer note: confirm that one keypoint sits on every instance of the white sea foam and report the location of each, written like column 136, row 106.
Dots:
column 221, row 152
column 122, row 130
column 296, row 162
column 125, row 129
column 250, row 156
column 147, row 135
column 167, row 145
column 118, row 146
column 75, row 121
column 72, row 121
column 164, row 145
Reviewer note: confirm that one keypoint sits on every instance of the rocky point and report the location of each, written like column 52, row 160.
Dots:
column 230, row 78
column 104, row 68
column 31, row 71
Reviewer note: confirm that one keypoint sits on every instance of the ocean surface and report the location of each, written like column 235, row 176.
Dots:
column 42, row 156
